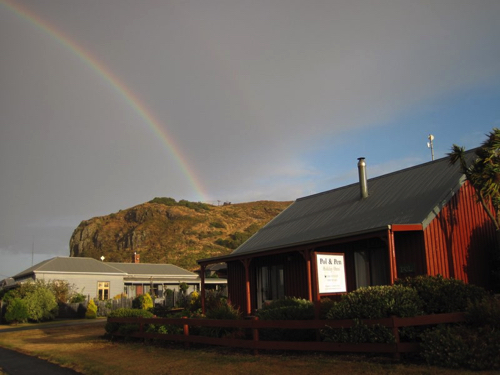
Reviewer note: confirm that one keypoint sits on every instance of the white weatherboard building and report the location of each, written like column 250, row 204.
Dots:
column 104, row 280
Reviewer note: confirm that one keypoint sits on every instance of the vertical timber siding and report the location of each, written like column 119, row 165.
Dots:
column 295, row 273
column 459, row 238
column 236, row 284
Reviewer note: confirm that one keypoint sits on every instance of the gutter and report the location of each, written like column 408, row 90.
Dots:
column 291, row 247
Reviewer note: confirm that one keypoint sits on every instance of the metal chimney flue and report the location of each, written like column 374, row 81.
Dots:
column 363, row 181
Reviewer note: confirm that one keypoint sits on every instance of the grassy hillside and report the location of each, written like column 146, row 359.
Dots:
column 166, row 231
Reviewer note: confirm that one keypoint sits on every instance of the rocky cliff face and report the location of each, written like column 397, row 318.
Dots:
column 171, row 233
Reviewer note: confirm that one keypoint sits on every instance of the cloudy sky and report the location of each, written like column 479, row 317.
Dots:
column 105, row 104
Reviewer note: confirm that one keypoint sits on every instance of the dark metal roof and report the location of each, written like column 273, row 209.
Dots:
column 410, row 196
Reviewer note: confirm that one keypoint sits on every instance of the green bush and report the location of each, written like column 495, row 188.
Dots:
column 38, row 298
column 226, row 312
column 143, row 302
column 91, row 312
column 441, row 295
column 213, row 299
column 462, row 347
column 77, row 298
column 40, row 302
column 17, row 311
column 484, row 313
column 183, row 287
column 359, row 333
column 377, row 302
column 289, row 308
column 374, row 302
column 197, row 206
column 125, row 313
column 217, row 224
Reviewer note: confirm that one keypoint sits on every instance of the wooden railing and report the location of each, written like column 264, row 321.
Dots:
column 253, row 325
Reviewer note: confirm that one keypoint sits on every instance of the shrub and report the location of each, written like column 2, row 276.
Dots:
column 143, row 302
column 462, row 347
column 377, row 302
column 223, row 312
column 125, row 313
column 217, row 224
column 17, row 311
column 40, row 302
column 77, row 298
column 39, row 299
column 289, row 308
column 197, row 206
column 441, row 295
column 183, row 287
column 374, row 302
column 91, row 312
column 360, row 333
column 325, row 306
column 213, row 299
column 194, row 301
column 484, row 313
column 61, row 290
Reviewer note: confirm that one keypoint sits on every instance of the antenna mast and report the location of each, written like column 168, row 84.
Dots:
column 431, row 145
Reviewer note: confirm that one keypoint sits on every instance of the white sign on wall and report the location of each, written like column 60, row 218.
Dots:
column 331, row 273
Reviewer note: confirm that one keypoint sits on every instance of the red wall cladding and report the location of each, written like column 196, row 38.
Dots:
column 236, row 284
column 459, row 238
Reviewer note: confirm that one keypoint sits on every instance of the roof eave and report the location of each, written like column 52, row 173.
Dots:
column 289, row 247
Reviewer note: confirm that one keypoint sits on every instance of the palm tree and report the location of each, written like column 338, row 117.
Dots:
column 483, row 173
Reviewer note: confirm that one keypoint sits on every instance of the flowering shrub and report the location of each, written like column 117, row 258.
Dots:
column 91, row 312
column 143, row 302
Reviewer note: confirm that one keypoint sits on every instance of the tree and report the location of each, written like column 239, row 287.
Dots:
column 483, row 173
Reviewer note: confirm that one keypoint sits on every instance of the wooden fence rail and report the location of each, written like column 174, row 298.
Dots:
column 254, row 325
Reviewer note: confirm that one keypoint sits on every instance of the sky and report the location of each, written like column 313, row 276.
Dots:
column 106, row 104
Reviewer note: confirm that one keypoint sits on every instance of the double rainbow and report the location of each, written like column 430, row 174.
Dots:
column 119, row 86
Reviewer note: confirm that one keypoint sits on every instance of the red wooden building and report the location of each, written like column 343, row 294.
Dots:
column 422, row 220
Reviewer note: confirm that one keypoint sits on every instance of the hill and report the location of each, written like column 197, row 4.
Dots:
column 166, row 231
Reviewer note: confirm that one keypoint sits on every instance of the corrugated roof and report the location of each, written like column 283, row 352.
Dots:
column 152, row 269
column 71, row 265
column 409, row 196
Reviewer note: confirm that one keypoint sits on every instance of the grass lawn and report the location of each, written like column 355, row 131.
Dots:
column 83, row 348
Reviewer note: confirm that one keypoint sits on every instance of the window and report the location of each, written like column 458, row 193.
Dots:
column 103, row 290
column 371, row 267
column 271, row 284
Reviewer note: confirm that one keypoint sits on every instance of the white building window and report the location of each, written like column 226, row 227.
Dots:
column 103, row 290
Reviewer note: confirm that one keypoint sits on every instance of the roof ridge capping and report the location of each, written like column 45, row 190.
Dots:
column 437, row 161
